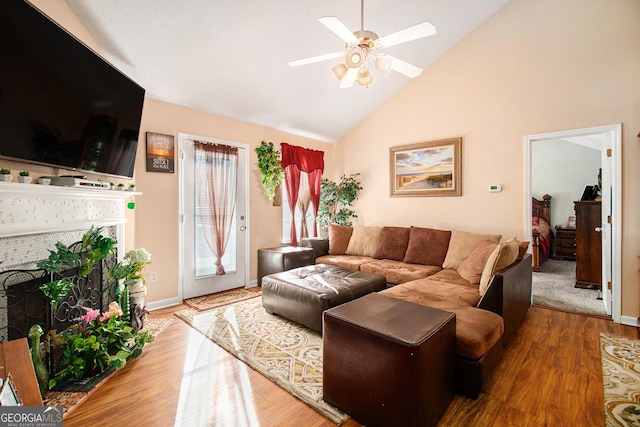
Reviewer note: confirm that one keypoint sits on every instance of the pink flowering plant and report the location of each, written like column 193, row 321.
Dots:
column 99, row 341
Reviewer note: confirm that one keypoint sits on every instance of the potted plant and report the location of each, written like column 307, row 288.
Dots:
column 5, row 175
column 121, row 187
column 132, row 187
column 269, row 165
column 336, row 200
column 44, row 180
column 24, row 177
column 112, row 186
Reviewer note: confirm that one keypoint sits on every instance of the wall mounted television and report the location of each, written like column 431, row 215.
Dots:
column 61, row 104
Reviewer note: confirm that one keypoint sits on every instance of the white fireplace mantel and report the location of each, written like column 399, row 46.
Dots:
column 34, row 209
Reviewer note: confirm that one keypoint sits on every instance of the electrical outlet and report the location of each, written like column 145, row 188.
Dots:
column 154, row 277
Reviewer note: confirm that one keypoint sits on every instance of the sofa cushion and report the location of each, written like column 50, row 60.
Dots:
column 339, row 236
column 392, row 243
column 505, row 254
column 435, row 293
column 364, row 240
column 471, row 268
column 452, row 276
column 427, row 246
column 523, row 247
column 398, row 272
column 461, row 245
column 350, row 262
column 477, row 330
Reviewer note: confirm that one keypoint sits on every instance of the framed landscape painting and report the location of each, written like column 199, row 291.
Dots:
column 426, row 169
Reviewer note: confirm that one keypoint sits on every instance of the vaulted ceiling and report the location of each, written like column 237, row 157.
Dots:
column 230, row 57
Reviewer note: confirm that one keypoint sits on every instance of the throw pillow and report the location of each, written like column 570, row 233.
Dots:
column 505, row 254
column 472, row 267
column 522, row 249
column 339, row 236
column 461, row 245
column 392, row 243
column 427, row 246
column 364, row 240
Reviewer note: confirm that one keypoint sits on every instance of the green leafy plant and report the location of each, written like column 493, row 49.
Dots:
column 336, row 200
column 24, row 173
column 5, row 171
column 94, row 247
column 98, row 342
column 269, row 165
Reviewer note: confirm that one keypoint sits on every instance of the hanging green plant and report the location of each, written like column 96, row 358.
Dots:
column 269, row 165
column 336, row 200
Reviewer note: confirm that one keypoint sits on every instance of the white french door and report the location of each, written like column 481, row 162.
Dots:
column 198, row 262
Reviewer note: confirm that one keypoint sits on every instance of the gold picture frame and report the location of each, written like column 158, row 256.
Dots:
column 426, row 169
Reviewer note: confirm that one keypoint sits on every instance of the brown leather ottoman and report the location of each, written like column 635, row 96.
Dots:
column 389, row 362
column 283, row 258
column 302, row 294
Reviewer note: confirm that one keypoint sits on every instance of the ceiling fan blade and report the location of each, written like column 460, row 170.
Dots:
column 405, row 68
column 335, row 25
column 318, row 58
column 412, row 33
column 349, row 79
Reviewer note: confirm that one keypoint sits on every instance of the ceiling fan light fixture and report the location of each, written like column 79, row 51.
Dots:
column 340, row 70
column 383, row 64
column 364, row 77
column 355, row 57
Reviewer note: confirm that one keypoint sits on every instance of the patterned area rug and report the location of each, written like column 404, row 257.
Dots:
column 207, row 302
column 621, row 380
column 69, row 400
column 288, row 354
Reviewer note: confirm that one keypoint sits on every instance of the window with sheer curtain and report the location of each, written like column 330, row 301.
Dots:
column 296, row 161
column 304, row 222
column 216, row 171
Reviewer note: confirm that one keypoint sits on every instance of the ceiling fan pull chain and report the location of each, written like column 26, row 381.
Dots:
column 361, row 15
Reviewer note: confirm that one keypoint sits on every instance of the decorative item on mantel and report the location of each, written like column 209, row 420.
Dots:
column 24, row 177
column 44, row 180
column 5, row 175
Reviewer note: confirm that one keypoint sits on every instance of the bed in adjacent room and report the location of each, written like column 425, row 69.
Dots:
column 542, row 235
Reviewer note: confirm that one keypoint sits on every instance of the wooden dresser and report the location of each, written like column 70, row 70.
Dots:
column 588, row 245
column 565, row 243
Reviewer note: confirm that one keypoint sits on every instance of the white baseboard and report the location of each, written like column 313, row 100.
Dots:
column 155, row 305
column 630, row 321
column 252, row 284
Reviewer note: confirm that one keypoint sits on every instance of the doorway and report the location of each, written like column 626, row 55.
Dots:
column 608, row 140
column 200, row 272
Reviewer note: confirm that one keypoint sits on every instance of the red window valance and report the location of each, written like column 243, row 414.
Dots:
column 306, row 159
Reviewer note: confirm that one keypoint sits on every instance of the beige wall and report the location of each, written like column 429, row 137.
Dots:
column 534, row 67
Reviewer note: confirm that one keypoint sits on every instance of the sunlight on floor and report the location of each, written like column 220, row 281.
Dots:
column 210, row 394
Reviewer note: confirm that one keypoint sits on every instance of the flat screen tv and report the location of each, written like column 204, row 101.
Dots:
column 61, row 104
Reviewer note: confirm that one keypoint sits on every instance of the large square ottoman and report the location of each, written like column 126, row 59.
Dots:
column 388, row 362
column 303, row 294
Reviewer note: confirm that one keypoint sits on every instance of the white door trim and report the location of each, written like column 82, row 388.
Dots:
column 182, row 137
column 613, row 136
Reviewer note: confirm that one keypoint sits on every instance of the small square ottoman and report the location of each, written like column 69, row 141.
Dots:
column 303, row 294
column 389, row 362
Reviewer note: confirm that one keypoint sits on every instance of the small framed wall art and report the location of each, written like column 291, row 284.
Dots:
column 160, row 153
column 426, row 169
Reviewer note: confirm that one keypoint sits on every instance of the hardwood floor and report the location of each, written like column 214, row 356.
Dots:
column 550, row 376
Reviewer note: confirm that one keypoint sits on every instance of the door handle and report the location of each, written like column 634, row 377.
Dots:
column 598, row 229
column 242, row 228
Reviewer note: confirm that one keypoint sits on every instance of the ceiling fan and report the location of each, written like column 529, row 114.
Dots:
column 362, row 48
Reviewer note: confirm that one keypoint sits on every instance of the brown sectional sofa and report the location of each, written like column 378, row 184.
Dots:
column 485, row 282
